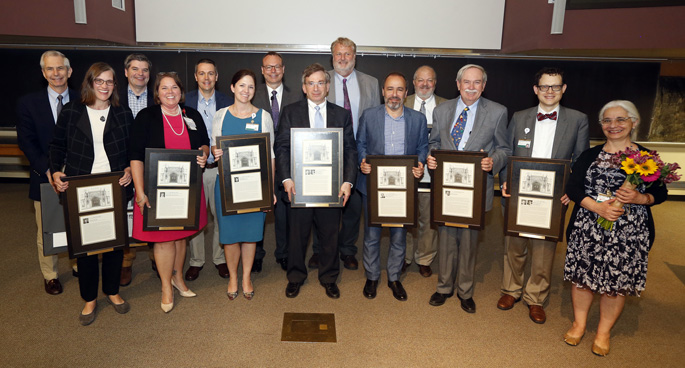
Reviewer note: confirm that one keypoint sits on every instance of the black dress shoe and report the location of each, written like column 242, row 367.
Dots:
column 468, row 305
column 223, row 270
column 370, row 288
column 438, row 299
column 283, row 262
column 331, row 290
column 314, row 261
column 53, row 287
column 193, row 273
column 292, row 289
column 257, row 266
column 397, row 290
column 404, row 266
column 74, row 273
column 350, row 262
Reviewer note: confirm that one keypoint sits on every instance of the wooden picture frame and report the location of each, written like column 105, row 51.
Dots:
column 536, row 186
column 245, row 168
column 391, row 190
column 316, row 166
column 95, row 213
column 458, row 189
column 173, row 184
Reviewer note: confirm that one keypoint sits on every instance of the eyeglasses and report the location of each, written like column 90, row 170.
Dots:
column 619, row 120
column 99, row 82
column 555, row 88
column 319, row 83
column 273, row 67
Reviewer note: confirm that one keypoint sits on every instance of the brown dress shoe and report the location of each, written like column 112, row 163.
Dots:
column 507, row 302
column 126, row 276
column 425, row 271
column 599, row 351
column 350, row 262
column 53, row 287
column 537, row 314
column 404, row 266
column 223, row 270
column 193, row 273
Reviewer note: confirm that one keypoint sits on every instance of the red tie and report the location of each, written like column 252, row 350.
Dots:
column 552, row 116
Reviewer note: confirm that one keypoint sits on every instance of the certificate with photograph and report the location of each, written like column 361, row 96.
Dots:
column 316, row 166
column 534, row 209
column 245, row 173
column 95, row 213
column 173, row 184
column 391, row 190
column 458, row 189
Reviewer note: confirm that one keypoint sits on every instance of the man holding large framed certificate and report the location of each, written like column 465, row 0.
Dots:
column 549, row 131
column 388, row 129
column 467, row 123
column 314, row 112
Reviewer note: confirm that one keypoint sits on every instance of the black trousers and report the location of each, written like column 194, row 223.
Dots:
column 89, row 275
column 349, row 232
column 280, row 226
column 326, row 222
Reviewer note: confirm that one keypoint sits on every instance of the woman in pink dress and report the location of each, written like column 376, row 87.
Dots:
column 167, row 125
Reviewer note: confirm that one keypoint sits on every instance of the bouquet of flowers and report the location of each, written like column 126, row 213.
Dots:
column 641, row 167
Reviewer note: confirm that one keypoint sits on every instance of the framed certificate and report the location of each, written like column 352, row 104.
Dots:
column 392, row 191
column 534, row 209
column 316, row 166
column 458, row 188
column 95, row 213
column 52, row 218
column 173, row 183
column 245, row 173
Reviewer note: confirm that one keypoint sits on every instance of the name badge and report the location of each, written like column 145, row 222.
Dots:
column 602, row 197
column 524, row 143
column 252, row 127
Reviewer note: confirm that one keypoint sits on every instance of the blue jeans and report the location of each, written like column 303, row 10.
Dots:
column 372, row 248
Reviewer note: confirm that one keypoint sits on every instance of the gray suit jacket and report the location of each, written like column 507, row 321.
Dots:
column 369, row 91
column 371, row 136
column 571, row 137
column 262, row 99
column 409, row 101
column 489, row 134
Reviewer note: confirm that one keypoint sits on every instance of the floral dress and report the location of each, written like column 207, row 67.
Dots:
column 612, row 262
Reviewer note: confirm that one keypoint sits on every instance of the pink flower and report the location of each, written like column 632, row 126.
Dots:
column 652, row 177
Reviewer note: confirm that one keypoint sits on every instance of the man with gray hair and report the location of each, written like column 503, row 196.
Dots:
column 423, row 236
column 467, row 123
column 355, row 92
column 38, row 113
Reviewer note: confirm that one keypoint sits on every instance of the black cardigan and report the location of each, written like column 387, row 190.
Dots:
column 148, row 131
column 575, row 188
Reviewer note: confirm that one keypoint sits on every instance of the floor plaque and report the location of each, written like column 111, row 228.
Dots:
column 308, row 327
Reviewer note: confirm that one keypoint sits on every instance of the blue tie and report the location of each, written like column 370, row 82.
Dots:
column 458, row 129
column 318, row 118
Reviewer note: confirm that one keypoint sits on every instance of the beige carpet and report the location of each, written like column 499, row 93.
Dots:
column 39, row 330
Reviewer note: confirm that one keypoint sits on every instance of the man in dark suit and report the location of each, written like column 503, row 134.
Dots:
column 314, row 112
column 548, row 130
column 389, row 129
column 467, row 123
column 136, row 96
column 423, row 100
column 38, row 114
column 272, row 96
column 356, row 92
column 207, row 100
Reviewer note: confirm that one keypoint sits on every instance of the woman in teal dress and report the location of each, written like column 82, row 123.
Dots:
column 240, row 233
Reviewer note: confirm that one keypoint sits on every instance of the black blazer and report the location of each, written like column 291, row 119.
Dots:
column 72, row 143
column 296, row 115
column 262, row 99
column 148, row 131
column 222, row 100
column 34, row 133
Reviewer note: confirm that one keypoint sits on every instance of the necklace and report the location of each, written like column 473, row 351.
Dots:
column 172, row 128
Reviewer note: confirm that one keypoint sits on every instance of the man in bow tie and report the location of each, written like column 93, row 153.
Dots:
column 548, row 130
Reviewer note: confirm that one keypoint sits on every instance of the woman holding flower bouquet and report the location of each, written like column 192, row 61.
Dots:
column 611, row 229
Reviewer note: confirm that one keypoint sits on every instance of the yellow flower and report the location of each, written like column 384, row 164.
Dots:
column 648, row 168
column 644, row 153
column 629, row 166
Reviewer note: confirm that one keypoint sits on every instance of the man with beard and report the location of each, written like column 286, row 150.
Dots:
column 467, row 123
column 389, row 129
column 426, row 237
column 355, row 92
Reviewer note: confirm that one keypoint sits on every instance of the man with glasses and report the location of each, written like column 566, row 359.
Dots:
column 136, row 96
column 272, row 96
column 37, row 113
column 207, row 100
column 548, row 130
column 423, row 100
column 314, row 112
